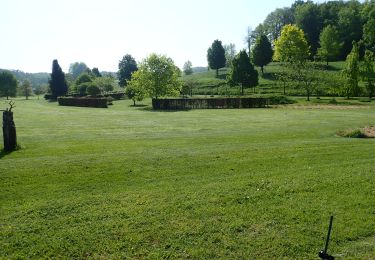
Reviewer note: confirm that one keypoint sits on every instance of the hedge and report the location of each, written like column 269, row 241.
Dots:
column 83, row 101
column 208, row 103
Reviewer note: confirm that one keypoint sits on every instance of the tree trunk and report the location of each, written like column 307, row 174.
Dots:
column 261, row 68
column 9, row 132
column 217, row 73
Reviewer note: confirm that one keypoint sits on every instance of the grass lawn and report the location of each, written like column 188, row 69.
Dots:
column 128, row 182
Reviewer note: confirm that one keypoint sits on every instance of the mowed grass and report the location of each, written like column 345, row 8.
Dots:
column 128, row 182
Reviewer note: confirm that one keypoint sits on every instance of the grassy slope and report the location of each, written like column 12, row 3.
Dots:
column 130, row 182
column 206, row 82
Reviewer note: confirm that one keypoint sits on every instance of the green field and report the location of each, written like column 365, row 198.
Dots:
column 130, row 182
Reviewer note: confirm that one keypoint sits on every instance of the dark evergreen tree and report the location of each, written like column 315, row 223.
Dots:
column 8, row 84
column 126, row 67
column 243, row 72
column 57, row 83
column 96, row 72
column 216, row 56
column 262, row 52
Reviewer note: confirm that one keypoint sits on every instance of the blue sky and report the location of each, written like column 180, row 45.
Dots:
column 100, row 33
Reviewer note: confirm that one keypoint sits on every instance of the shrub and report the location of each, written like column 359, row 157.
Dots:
column 356, row 133
column 93, row 90
column 280, row 100
column 83, row 101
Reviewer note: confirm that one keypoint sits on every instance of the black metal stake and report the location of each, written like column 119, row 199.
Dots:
column 323, row 254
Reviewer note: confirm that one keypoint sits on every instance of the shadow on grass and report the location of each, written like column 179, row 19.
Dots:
column 138, row 105
column 269, row 76
column 150, row 109
column 4, row 153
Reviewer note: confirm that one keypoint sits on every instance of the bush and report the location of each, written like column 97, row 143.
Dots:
column 49, row 96
column 208, row 103
column 93, row 90
column 356, row 133
column 280, row 100
column 83, row 101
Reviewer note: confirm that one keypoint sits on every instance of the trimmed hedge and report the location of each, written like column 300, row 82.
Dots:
column 83, row 101
column 115, row 95
column 208, row 103
column 49, row 97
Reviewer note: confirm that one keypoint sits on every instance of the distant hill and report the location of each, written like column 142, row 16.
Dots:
column 36, row 79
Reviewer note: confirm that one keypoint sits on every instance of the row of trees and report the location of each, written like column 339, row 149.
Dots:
column 11, row 87
column 349, row 21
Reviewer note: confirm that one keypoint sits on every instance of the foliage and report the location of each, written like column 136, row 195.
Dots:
column 57, row 83
column 230, row 53
column 158, row 75
column 96, row 72
column 306, row 76
column 369, row 33
column 276, row 20
column 308, row 19
column 105, row 84
column 243, row 72
column 82, row 88
column 216, row 56
column 262, row 52
column 8, row 84
column 367, row 72
column 93, row 90
column 329, row 44
column 291, row 46
column 83, row 78
column 188, row 70
column 26, row 89
column 83, row 101
column 351, row 73
column 135, row 91
column 127, row 65
column 77, row 68
column 41, row 89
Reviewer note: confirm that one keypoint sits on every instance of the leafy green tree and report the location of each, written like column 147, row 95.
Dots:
column 134, row 90
column 308, row 19
column 230, row 53
column 262, row 52
column 96, row 72
column 351, row 72
column 368, row 72
column 306, row 76
column 77, row 68
column 188, row 68
column 57, row 83
column 105, row 84
column 8, row 84
column 81, row 79
column 158, row 75
column 243, row 72
column 216, row 56
column 276, row 20
column 26, row 89
column 41, row 89
column 329, row 44
column 93, row 90
column 369, row 34
column 127, row 65
column 291, row 46
column 350, row 26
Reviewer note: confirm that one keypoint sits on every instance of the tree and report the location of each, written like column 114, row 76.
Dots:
column 329, row 44
column 135, row 91
column 243, row 72
column 57, row 83
column 188, row 70
column 41, row 89
column 26, row 89
column 216, row 56
column 8, row 84
column 230, row 53
column 158, row 75
column 93, row 90
column 306, row 76
column 77, row 68
column 105, row 84
column 276, row 20
column 96, row 72
column 126, row 67
column 291, row 46
column 351, row 72
column 308, row 20
column 368, row 73
column 369, row 34
column 262, row 52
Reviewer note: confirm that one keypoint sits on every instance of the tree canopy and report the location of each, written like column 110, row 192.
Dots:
column 8, row 84
column 243, row 72
column 77, row 68
column 262, row 52
column 329, row 44
column 216, row 56
column 291, row 46
column 188, row 68
column 158, row 75
column 127, row 65
column 57, row 83
column 351, row 72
